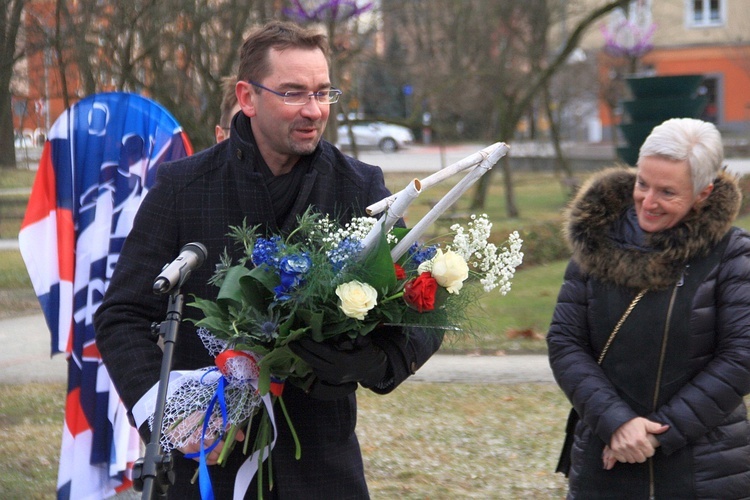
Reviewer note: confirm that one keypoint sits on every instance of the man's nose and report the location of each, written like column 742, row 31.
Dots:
column 312, row 109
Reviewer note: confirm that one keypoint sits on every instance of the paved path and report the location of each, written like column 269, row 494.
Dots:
column 432, row 158
column 25, row 357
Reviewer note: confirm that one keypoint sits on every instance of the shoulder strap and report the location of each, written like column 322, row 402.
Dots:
column 619, row 324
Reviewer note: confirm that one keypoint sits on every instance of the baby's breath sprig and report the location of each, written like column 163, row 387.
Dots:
column 495, row 267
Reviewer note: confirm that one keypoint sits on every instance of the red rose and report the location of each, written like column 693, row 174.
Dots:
column 400, row 273
column 419, row 293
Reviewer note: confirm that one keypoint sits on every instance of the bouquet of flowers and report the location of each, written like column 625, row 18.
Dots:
column 323, row 281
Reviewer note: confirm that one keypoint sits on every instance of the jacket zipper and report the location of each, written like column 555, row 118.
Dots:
column 659, row 372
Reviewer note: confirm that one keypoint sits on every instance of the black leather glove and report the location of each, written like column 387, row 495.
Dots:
column 351, row 361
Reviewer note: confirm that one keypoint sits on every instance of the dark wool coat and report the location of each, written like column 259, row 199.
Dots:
column 681, row 358
column 196, row 200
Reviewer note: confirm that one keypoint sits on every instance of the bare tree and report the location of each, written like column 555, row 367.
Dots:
column 484, row 63
column 522, row 93
column 174, row 51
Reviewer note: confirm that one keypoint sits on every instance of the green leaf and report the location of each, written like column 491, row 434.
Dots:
column 264, row 378
column 379, row 266
column 314, row 320
column 231, row 292
column 208, row 307
column 255, row 292
column 286, row 327
column 391, row 311
column 280, row 362
column 266, row 277
column 399, row 233
column 216, row 325
column 333, row 329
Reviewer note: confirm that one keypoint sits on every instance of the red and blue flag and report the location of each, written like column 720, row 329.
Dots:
column 98, row 163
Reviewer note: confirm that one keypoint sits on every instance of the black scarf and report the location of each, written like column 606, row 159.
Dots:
column 283, row 189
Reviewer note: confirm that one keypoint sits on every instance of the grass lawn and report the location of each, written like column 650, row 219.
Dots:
column 447, row 441
column 436, row 441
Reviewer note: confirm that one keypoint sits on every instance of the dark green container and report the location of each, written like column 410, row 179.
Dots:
column 664, row 86
column 656, row 99
column 658, row 109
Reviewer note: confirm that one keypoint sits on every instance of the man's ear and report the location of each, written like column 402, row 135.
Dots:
column 245, row 98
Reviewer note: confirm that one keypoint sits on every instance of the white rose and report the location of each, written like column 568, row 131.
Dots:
column 356, row 298
column 449, row 269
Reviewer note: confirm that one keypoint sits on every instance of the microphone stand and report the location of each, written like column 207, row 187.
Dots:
column 154, row 472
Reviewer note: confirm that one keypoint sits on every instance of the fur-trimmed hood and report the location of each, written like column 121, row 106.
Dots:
column 601, row 202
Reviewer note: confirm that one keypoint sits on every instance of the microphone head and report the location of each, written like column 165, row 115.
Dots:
column 199, row 249
column 178, row 271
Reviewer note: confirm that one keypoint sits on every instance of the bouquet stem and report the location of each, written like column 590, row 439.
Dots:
column 249, row 427
column 261, row 441
column 297, row 447
column 229, row 443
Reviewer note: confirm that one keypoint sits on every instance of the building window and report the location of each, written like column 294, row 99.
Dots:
column 706, row 12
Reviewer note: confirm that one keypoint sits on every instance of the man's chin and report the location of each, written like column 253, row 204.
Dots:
column 305, row 148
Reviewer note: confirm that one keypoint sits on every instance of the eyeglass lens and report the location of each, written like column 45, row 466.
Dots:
column 328, row 97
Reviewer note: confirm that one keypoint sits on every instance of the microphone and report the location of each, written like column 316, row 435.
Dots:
column 177, row 272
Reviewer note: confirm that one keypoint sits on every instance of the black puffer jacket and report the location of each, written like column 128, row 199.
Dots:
column 681, row 358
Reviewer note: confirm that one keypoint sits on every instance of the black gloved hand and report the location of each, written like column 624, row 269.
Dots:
column 324, row 391
column 340, row 363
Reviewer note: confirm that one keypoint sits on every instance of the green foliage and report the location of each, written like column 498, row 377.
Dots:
column 543, row 242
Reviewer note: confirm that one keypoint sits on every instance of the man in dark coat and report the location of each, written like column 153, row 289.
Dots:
column 273, row 166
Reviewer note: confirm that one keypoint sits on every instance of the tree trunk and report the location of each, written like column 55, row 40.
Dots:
column 8, row 34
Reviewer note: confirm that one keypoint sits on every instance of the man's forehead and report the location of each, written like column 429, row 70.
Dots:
column 295, row 67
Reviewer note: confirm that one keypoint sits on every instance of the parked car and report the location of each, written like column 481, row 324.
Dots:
column 389, row 137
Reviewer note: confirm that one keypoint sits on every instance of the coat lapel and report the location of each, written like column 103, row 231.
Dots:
column 302, row 201
column 253, row 199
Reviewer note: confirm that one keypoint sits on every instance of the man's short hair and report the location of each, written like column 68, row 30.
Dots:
column 279, row 35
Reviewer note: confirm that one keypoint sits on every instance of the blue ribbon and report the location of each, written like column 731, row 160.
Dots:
column 204, row 479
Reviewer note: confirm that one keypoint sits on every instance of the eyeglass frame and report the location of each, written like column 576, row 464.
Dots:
column 333, row 93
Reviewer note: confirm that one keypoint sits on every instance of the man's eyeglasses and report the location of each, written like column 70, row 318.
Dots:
column 300, row 98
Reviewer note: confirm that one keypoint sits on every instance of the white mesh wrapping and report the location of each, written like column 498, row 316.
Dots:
column 189, row 397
